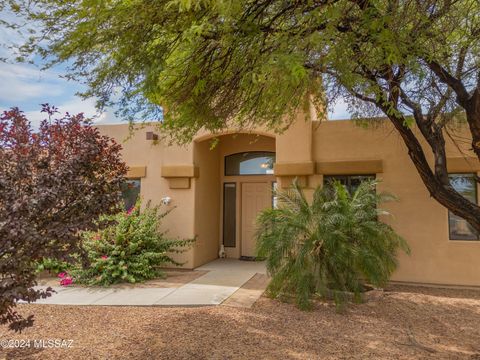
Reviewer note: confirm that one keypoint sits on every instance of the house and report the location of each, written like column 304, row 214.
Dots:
column 218, row 191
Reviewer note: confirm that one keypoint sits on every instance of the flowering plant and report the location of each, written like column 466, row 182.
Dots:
column 131, row 249
column 65, row 279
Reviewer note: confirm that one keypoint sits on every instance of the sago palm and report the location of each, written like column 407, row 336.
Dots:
column 333, row 244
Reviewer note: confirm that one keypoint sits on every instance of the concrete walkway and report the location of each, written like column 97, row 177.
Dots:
column 224, row 278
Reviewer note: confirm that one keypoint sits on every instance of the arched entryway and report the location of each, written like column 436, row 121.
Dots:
column 235, row 183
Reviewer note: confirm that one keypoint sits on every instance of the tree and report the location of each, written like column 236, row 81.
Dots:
column 335, row 244
column 207, row 62
column 54, row 183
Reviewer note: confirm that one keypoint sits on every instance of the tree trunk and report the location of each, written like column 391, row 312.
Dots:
column 438, row 189
column 472, row 110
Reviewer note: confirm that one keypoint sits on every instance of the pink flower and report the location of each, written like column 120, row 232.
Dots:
column 104, row 257
column 66, row 281
column 131, row 210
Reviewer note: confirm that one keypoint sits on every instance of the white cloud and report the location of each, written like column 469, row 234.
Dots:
column 75, row 105
column 11, row 38
column 26, row 86
column 22, row 82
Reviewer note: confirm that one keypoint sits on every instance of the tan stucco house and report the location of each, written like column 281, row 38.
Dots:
column 219, row 191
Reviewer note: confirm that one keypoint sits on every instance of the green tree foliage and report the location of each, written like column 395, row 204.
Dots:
column 193, row 58
column 256, row 62
column 132, row 249
column 54, row 183
column 333, row 244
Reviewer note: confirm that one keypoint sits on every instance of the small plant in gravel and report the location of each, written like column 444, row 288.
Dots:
column 332, row 247
column 132, row 249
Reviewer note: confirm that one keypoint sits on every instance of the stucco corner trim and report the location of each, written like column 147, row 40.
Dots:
column 463, row 164
column 179, row 171
column 294, row 168
column 349, row 167
column 136, row 172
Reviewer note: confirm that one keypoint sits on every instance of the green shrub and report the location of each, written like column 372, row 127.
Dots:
column 132, row 249
column 333, row 245
column 53, row 266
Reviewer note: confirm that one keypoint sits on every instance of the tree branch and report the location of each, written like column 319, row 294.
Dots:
column 448, row 79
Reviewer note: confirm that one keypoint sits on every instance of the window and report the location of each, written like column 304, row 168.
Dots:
column 250, row 163
column 460, row 229
column 351, row 182
column 229, row 214
column 130, row 192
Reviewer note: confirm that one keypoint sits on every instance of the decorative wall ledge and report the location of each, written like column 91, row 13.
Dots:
column 169, row 171
column 294, row 168
column 136, row 172
column 287, row 181
column 179, row 176
column 463, row 164
column 349, row 167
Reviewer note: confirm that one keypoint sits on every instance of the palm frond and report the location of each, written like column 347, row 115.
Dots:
column 329, row 246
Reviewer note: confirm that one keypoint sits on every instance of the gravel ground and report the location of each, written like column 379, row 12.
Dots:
column 404, row 323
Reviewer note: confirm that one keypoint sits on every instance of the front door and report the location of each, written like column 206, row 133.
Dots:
column 255, row 198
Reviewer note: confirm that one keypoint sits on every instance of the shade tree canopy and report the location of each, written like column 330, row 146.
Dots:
column 253, row 63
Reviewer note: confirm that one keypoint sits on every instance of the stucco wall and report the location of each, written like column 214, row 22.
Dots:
column 295, row 144
column 310, row 149
column 137, row 151
column 207, row 203
column 416, row 216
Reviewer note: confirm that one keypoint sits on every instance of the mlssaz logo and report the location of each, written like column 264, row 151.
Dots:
column 53, row 343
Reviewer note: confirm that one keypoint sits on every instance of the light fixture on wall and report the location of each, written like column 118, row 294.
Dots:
column 166, row 200
column 264, row 165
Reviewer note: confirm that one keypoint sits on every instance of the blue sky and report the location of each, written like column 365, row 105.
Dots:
column 26, row 86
